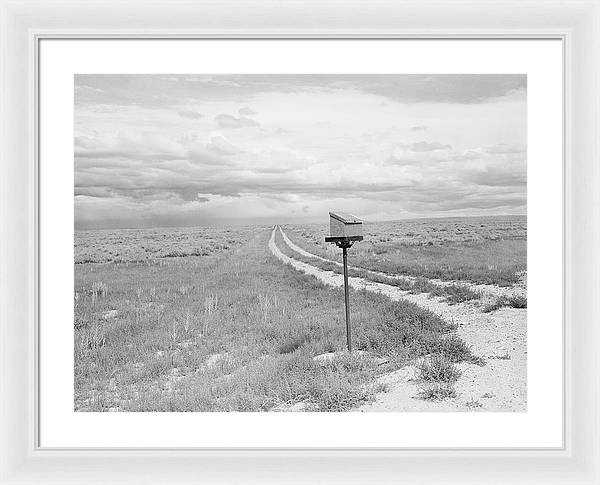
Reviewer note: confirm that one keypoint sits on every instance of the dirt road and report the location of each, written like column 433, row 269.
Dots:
column 499, row 337
column 491, row 290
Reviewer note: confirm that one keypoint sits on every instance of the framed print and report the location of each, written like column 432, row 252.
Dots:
column 189, row 187
column 299, row 246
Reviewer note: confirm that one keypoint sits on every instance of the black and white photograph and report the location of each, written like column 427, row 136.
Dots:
column 300, row 242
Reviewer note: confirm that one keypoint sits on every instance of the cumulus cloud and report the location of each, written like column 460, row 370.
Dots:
column 497, row 176
column 220, row 144
column 202, row 155
column 448, row 88
column 503, row 148
column 322, row 142
column 188, row 113
column 229, row 121
column 424, row 146
column 421, row 152
column 122, row 145
column 156, row 91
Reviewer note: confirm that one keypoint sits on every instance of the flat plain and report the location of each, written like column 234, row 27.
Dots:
column 252, row 318
column 487, row 250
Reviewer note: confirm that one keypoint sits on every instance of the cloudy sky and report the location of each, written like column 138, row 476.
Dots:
column 180, row 150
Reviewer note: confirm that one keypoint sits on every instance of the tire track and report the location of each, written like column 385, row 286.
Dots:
column 491, row 290
column 498, row 337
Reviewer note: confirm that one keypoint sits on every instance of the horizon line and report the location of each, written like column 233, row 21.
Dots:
column 241, row 224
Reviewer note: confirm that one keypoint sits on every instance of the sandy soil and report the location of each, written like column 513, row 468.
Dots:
column 499, row 337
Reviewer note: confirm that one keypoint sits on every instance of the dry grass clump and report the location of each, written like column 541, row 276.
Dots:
column 438, row 368
column 294, row 342
column 514, row 301
column 437, row 391
column 437, row 376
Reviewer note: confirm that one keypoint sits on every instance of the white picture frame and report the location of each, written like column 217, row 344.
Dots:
column 24, row 23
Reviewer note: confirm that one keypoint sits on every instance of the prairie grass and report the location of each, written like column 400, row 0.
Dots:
column 452, row 294
column 147, row 245
column 235, row 331
column 473, row 404
column 437, row 375
column 482, row 250
column 514, row 301
column 437, row 391
column 438, row 368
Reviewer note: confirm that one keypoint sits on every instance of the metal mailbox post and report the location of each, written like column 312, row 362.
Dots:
column 344, row 230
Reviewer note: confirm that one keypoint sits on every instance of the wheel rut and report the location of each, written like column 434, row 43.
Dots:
column 498, row 337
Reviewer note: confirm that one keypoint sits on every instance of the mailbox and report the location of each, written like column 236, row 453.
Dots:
column 345, row 229
column 343, row 225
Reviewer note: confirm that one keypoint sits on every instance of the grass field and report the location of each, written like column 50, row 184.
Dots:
column 454, row 293
column 233, row 330
column 133, row 245
column 486, row 250
column 208, row 319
